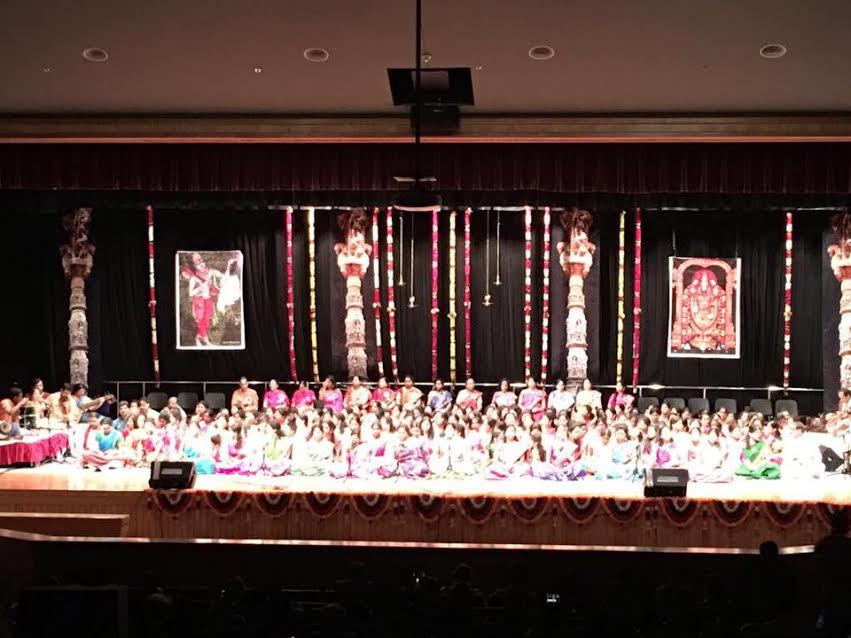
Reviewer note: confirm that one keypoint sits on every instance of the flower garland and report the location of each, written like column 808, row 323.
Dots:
column 787, row 304
column 621, row 275
column 391, row 303
column 152, row 302
column 468, row 326
column 545, row 327
column 435, row 256
column 288, row 222
column 453, row 245
column 311, row 256
column 636, row 303
column 527, row 297
column 376, row 294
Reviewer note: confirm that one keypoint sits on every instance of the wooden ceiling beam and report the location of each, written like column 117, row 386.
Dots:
column 158, row 129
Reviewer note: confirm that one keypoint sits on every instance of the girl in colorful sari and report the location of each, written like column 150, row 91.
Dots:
column 756, row 459
column 624, row 463
column 458, row 451
column 318, row 455
column 504, row 397
column 533, row 399
column 509, row 459
column 411, row 454
column 565, row 452
column 668, row 454
column 331, row 396
column 710, row 465
column 275, row 397
column 540, row 466
column 279, row 450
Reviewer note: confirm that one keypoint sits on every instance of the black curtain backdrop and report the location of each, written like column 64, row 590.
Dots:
column 119, row 324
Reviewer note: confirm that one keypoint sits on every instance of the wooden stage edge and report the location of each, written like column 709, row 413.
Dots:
column 523, row 513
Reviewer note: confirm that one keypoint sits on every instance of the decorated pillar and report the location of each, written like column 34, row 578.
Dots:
column 353, row 262
column 576, row 255
column 77, row 261
column 840, row 263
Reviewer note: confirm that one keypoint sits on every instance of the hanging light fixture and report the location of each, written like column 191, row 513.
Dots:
column 487, row 301
column 497, row 281
column 412, row 300
column 401, row 281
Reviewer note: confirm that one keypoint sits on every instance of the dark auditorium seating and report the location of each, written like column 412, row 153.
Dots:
column 786, row 405
column 215, row 400
column 728, row 404
column 763, row 406
column 646, row 402
column 157, row 400
column 187, row 400
column 697, row 405
column 675, row 403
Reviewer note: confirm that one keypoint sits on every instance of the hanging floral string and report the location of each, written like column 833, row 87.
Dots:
column 545, row 322
column 288, row 222
column 636, row 303
column 468, row 326
column 152, row 301
column 435, row 257
column 621, row 284
column 527, row 297
column 391, row 296
column 311, row 256
column 453, row 244
column 376, row 294
column 787, row 304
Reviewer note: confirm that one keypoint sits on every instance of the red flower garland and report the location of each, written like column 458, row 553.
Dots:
column 391, row 303
column 468, row 326
column 636, row 303
column 152, row 301
column 434, row 272
column 545, row 328
column 288, row 220
column 527, row 297
column 376, row 293
column 787, row 304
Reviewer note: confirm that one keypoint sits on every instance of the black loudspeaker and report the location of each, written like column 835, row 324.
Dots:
column 665, row 482
column 172, row 475
column 832, row 461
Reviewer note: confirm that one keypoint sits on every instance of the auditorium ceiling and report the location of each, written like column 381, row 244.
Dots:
column 248, row 57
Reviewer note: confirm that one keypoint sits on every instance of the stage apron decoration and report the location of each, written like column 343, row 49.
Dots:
column 209, row 310
column 703, row 319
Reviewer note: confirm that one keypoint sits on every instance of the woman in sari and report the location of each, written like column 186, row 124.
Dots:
column 439, row 399
column 504, row 397
column 331, row 396
column 275, row 397
column 318, row 455
column 303, row 397
column 560, row 400
column 384, row 396
column 509, row 459
column 756, row 461
column 533, row 399
column 410, row 453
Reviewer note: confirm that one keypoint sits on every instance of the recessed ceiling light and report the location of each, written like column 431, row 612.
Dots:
column 94, row 54
column 541, row 52
column 45, row 69
column 258, row 69
column 773, row 51
column 478, row 67
column 316, row 55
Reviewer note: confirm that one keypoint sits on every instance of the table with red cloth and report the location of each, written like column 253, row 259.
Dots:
column 33, row 448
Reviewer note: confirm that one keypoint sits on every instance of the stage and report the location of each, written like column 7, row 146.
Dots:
column 523, row 512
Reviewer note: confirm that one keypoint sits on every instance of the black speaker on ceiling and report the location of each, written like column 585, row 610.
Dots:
column 172, row 475
column 669, row 483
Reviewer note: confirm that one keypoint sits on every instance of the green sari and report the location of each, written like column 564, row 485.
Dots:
column 757, row 466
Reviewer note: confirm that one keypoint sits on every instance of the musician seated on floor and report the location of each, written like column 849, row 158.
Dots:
column 171, row 406
column 62, row 406
column 10, row 409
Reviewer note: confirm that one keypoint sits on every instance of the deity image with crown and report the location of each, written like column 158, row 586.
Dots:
column 704, row 313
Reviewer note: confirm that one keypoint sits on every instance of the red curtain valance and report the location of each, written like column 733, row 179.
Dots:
column 568, row 168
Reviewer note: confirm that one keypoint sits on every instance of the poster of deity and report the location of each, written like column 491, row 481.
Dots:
column 704, row 307
column 208, row 290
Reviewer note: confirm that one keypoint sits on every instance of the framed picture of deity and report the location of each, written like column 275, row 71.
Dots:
column 703, row 320
column 208, row 303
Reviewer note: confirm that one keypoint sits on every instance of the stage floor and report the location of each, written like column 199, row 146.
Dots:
column 471, row 513
column 835, row 489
